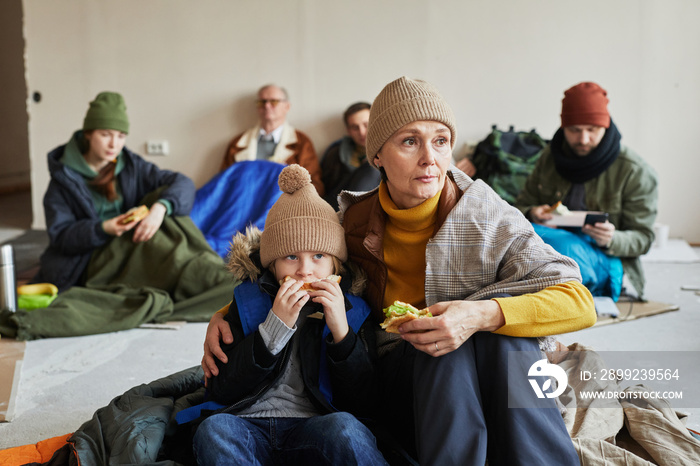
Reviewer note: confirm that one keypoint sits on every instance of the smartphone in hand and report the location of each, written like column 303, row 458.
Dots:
column 592, row 219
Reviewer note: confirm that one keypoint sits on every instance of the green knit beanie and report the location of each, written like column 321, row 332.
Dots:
column 107, row 111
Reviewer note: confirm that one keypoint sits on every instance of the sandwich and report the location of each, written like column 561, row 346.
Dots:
column 135, row 214
column 398, row 313
column 553, row 207
column 308, row 285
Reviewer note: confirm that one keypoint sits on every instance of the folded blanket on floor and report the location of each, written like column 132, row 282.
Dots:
column 600, row 273
column 137, row 427
column 173, row 276
column 638, row 430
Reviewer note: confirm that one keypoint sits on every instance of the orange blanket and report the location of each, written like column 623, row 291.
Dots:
column 39, row 452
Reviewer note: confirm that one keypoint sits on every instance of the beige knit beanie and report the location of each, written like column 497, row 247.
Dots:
column 300, row 221
column 402, row 102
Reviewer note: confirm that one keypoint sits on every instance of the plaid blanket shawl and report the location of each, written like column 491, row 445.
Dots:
column 487, row 247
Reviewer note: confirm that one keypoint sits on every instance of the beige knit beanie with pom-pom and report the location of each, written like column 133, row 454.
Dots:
column 300, row 221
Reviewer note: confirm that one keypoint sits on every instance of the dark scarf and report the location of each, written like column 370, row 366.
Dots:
column 577, row 169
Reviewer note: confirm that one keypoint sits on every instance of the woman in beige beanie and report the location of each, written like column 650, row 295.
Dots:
column 431, row 236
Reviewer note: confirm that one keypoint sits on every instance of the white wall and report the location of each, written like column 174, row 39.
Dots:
column 189, row 71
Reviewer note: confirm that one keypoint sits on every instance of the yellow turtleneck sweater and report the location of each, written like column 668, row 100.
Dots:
column 405, row 239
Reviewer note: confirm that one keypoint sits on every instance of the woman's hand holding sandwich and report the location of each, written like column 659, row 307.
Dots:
column 452, row 324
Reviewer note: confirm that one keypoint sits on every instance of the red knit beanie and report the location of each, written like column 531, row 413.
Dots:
column 585, row 104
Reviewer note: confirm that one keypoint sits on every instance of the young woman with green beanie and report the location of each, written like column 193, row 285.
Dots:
column 95, row 180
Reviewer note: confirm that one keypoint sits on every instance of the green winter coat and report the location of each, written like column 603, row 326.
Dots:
column 627, row 191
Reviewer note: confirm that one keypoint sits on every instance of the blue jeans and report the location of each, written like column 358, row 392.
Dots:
column 336, row 438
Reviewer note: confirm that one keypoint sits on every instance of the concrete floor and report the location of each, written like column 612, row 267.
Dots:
column 64, row 380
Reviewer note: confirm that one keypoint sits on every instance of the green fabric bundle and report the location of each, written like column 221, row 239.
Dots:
column 173, row 276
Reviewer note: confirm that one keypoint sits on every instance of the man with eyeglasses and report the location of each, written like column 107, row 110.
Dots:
column 274, row 139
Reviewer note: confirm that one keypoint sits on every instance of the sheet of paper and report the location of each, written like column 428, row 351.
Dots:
column 574, row 218
column 605, row 306
column 171, row 325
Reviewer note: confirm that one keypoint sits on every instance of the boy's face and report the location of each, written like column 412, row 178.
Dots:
column 304, row 266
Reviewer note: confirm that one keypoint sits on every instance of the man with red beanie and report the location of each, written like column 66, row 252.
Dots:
column 586, row 168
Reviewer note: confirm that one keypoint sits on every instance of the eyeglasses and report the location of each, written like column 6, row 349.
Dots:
column 260, row 103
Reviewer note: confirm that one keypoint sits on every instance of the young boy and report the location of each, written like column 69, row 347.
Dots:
column 297, row 358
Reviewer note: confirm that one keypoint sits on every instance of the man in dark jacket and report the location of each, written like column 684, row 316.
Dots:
column 344, row 165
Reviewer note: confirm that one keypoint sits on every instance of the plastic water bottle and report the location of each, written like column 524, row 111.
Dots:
column 8, row 280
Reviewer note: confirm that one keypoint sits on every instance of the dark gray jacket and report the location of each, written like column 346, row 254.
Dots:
column 72, row 223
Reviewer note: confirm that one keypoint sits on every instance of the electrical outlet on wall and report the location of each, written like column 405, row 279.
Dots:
column 157, row 147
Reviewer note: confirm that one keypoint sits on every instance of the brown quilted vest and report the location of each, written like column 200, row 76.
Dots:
column 364, row 231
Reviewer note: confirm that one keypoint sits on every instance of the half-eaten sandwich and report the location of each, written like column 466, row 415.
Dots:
column 400, row 312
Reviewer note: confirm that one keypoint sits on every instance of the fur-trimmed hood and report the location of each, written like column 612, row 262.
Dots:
column 244, row 262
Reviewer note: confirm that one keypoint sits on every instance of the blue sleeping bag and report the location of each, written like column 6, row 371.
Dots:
column 601, row 274
column 234, row 199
